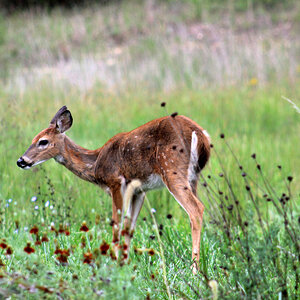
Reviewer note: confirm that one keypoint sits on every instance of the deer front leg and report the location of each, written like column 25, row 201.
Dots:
column 117, row 203
column 131, row 217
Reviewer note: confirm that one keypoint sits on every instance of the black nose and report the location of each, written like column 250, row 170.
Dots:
column 21, row 163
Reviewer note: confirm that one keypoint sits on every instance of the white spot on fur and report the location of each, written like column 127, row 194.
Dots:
column 193, row 158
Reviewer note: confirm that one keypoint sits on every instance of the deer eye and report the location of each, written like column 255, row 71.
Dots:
column 43, row 142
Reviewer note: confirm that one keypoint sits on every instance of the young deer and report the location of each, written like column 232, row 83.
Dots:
column 169, row 151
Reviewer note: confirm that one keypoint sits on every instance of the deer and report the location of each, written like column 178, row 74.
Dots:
column 170, row 152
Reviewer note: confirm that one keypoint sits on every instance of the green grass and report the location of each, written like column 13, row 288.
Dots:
column 253, row 120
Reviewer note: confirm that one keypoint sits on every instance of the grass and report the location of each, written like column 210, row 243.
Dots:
column 253, row 119
column 250, row 246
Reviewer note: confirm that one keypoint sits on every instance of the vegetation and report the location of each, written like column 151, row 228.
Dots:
column 113, row 73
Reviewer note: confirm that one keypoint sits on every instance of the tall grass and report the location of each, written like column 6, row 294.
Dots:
column 160, row 45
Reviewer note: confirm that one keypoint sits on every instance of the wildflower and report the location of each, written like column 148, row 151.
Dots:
column 253, row 81
column 253, row 155
column 290, row 178
column 45, row 238
column 221, row 174
column 36, row 207
column 47, row 203
column 279, row 167
column 34, row 230
column 61, row 229
column 88, row 257
column 247, row 187
column 258, row 167
column 63, row 255
column 174, row 114
column 28, row 249
column 151, row 252
column 153, row 210
column 163, row 104
column 104, row 248
column 9, row 200
column 222, row 136
column 33, row 199
column 169, row 216
column 152, row 236
column 244, row 174
column 84, row 227
column 3, row 245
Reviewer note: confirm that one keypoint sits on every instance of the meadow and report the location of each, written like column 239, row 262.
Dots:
column 113, row 68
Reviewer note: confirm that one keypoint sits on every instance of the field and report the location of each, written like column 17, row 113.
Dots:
column 113, row 69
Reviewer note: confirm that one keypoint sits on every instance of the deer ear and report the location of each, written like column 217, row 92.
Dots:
column 62, row 120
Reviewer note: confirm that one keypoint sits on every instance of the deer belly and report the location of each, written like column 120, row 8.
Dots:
column 154, row 181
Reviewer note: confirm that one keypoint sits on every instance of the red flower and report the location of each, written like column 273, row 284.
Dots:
column 28, row 249
column 151, row 252
column 34, row 230
column 88, row 257
column 3, row 245
column 67, row 232
column 63, row 255
column 84, row 227
column 104, row 248
column 45, row 238
column 9, row 251
column 61, row 229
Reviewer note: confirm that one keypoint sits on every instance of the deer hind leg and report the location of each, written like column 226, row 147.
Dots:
column 182, row 191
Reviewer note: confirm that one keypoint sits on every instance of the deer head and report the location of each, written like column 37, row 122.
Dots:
column 48, row 143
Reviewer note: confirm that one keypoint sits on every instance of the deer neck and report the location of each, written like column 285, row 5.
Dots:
column 78, row 160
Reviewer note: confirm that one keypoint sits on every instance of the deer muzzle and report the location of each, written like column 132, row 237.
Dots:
column 22, row 163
